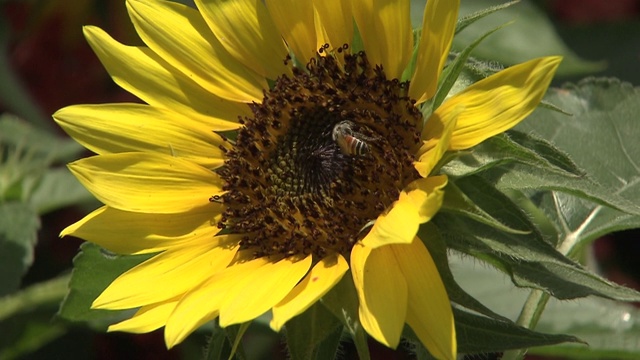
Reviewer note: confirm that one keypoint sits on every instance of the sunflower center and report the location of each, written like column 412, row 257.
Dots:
column 327, row 151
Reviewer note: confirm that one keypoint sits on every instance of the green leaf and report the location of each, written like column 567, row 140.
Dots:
column 478, row 334
column 235, row 334
column 530, row 261
column 93, row 270
column 457, row 202
column 428, row 233
column 58, row 188
column 19, row 225
column 517, row 45
column 601, row 138
column 314, row 334
column 612, row 329
column 515, row 147
column 218, row 346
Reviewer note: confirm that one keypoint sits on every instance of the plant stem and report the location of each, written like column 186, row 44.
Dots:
column 47, row 292
column 528, row 318
column 537, row 300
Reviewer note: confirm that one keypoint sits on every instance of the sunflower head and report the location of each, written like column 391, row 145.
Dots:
column 291, row 188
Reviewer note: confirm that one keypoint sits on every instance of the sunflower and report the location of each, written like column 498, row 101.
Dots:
column 270, row 158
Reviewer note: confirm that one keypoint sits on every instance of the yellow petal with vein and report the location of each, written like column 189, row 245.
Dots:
column 203, row 303
column 387, row 36
column 363, row 16
column 499, row 102
column 417, row 204
column 143, row 73
column 180, row 36
column 436, row 137
column 259, row 291
column 438, row 25
column 337, row 20
column 322, row 277
column 429, row 311
column 147, row 318
column 165, row 276
column 121, row 127
column 147, row 182
column 295, row 21
column 382, row 292
column 246, row 30
column 125, row 232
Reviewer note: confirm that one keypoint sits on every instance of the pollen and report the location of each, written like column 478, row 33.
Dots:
column 290, row 187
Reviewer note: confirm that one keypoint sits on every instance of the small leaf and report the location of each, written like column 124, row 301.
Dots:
column 235, row 334
column 19, row 225
column 314, row 334
column 478, row 334
column 547, row 105
column 515, row 45
column 451, row 73
column 218, row 346
column 471, row 18
column 94, row 269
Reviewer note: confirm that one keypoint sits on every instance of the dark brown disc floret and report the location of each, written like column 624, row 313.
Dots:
column 292, row 184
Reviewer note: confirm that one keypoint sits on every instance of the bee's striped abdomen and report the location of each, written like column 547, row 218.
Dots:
column 355, row 146
column 348, row 140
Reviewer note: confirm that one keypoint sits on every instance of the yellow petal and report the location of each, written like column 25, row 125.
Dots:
column 295, row 21
column 139, row 233
column 382, row 292
column 436, row 137
column 387, row 36
column 429, row 312
column 438, row 26
column 202, row 304
column 143, row 73
column 321, row 34
column 180, row 36
column 417, row 204
column 246, row 30
column 114, row 128
column 426, row 195
column 363, row 16
column 147, row 182
column 259, row 291
column 147, row 318
column 322, row 277
column 337, row 20
column 499, row 102
column 166, row 275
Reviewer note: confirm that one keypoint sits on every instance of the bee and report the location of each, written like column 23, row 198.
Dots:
column 349, row 141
